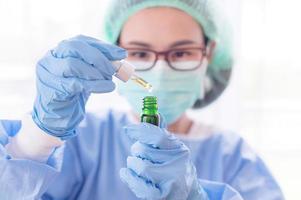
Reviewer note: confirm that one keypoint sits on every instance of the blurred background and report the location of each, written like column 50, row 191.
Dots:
column 262, row 102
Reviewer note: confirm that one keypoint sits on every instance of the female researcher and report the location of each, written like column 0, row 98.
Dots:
column 51, row 155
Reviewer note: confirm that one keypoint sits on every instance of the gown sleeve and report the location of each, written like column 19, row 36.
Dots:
column 240, row 170
column 246, row 171
column 229, row 168
column 22, row 178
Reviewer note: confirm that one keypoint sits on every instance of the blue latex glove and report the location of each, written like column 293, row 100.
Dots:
column 66, row 76
column 160, row 166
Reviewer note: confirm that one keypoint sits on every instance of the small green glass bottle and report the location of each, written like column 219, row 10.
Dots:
column 150, row 111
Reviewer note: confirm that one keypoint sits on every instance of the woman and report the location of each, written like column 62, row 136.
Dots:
column 51, row 155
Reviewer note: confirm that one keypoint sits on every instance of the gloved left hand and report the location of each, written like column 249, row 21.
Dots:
column 160, row 166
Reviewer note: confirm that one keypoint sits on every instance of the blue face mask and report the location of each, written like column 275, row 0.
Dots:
column 176, row 91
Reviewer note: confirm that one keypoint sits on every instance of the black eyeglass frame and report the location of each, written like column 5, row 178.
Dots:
column 166, row 54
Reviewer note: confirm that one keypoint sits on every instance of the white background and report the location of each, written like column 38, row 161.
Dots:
column 262, row 102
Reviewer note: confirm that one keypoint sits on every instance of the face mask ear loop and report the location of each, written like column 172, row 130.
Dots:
column 204, row 81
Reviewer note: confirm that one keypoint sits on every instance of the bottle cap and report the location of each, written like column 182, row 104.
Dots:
column 124, row 70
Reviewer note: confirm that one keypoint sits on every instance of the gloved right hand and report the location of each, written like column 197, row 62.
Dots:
column 160, row 166
column 66, row 76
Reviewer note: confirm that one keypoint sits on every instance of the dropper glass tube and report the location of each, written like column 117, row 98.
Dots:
column 126, row 71
column 138, row 80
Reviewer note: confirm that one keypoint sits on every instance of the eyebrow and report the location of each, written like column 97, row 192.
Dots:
column 176, row 44
column 182, row 42
column 142, row 44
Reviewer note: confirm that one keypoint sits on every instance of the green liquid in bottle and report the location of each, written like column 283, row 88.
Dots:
column 150, row 111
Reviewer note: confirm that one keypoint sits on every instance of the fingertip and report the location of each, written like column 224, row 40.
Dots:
column 113, row 86
column 98, row 86
column 142, row 188
column 120, row 54
column 109, row 87
column 130, row 160
column 111, row 51
column 163, row 123
column 127, row 175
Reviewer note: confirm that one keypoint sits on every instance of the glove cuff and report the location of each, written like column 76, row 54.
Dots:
column 66, row 134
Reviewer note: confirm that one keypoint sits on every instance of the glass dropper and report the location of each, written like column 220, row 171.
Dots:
column 126, row 71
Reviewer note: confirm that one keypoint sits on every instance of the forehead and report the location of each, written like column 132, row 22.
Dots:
column 161, row 25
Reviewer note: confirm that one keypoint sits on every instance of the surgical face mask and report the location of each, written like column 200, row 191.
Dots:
column 176, row 91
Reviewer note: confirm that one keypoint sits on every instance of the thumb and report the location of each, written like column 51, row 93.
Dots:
column 162, row 122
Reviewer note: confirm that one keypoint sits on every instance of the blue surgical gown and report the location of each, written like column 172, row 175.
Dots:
column 87, row 166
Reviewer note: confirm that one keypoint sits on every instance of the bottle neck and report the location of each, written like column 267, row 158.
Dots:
column 149, row 111
column 150, row 106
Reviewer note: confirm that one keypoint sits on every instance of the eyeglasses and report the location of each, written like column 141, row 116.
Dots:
column 145, row 59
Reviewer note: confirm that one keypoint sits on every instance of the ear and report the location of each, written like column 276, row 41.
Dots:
column 210, row 49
